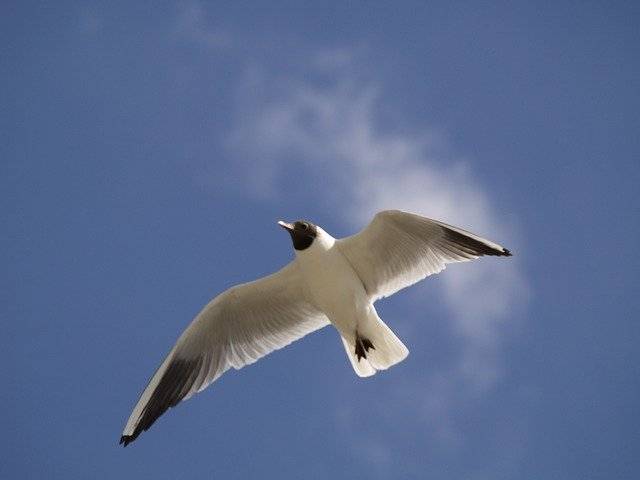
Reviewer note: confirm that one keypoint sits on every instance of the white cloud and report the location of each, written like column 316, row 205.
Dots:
column 333, row 131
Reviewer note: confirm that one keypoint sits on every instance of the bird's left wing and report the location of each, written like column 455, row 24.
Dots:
column 398, row 249
column 235, row 329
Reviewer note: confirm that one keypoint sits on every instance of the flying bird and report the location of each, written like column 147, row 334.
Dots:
column 330, row 281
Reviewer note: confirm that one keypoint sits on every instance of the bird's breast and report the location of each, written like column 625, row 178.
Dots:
column 333, row 286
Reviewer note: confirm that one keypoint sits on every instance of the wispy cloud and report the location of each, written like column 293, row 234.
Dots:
column 332, row 129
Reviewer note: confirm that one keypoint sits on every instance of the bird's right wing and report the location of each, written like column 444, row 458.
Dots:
column 398, row 249
column 235, row 329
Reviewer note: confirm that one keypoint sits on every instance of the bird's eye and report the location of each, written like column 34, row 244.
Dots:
column 304, row 226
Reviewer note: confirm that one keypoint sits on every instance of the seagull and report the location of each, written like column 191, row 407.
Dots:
column 330, row 281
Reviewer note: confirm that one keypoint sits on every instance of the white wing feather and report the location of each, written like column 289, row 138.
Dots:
column 398, row 249
column 235, row 329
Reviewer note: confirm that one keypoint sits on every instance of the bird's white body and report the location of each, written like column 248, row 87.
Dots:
column 331, row 284
column 331, row 281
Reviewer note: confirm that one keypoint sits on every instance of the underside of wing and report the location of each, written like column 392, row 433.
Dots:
column 398, row 249
column 235, row 329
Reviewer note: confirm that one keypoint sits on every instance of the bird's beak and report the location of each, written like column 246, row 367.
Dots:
column 285, row 225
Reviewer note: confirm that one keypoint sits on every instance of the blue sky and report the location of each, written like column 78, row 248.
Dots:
column 148, row 149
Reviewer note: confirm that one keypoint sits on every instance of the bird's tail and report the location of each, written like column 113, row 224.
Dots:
column 374, row 347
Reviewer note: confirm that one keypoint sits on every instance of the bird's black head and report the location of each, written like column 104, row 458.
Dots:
column 302, row 233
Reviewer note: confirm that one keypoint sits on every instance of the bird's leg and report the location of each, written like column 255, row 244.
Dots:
column 362, row 346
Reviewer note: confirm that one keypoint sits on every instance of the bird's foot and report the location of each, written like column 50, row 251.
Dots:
column 362, row 346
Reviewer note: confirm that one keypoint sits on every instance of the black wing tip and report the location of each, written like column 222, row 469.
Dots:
column 473, row 245
column 172, row 388
column 505, row 252
column 127, row 439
